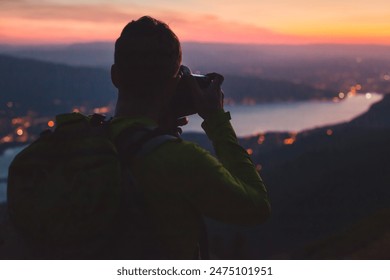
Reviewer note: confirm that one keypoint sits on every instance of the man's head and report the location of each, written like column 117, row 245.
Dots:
column 147, row 55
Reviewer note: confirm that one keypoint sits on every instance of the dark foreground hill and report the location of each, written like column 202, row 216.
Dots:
column 329, row 184
column 367, row 239
column 324, row 184
column 328, row 187
column 330, row 193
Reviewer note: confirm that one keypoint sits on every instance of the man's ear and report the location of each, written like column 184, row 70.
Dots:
column 115, row 76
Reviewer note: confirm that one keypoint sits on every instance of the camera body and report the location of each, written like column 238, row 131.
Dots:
column 182, row 103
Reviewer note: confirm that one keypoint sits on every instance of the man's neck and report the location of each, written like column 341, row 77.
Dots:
column 128, row 107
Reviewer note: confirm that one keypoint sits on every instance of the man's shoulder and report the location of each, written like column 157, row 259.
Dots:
column 181, row 148
column 179, row 154
column 180, row 159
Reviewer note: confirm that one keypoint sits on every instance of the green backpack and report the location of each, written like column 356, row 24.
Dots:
column 65, row 190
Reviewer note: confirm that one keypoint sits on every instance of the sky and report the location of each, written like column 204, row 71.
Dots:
column 223, row 21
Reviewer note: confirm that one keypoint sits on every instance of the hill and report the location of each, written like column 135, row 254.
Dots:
column 323, row 185
column 37, row 89
column 49, row 88
column 47, row 85
column 250, row 89
column 331, row 67
column 329, row 193
column 96, row 55
column 368, row 239
column 377, row 116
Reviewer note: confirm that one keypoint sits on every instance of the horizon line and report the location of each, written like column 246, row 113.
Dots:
column 55, row 44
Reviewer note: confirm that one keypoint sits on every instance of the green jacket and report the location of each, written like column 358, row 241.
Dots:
column 183, row 182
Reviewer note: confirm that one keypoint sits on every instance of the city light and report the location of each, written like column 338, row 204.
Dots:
column 249, row 151
column 101, row 110
column 329, row 132
column 6, row 139
column 248, row 101
column 289, row 141
column 19, row 132
column 368, row 95
column 261, row 139
column 16, row 121
column 50, row 123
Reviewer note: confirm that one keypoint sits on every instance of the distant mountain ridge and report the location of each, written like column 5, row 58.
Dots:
column 101, row 53
column 49, row 88
column 54, row 88
column 331, row 67
column 97, row 55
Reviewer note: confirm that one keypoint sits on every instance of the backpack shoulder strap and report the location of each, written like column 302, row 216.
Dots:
column 139, row 141
column 153, row 143
column 135, row 237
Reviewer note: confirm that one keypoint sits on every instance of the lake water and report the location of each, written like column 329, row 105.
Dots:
column 297, row 116
column 248, row 120
column 5, row 160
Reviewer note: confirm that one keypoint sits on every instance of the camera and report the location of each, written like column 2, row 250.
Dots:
column 182, row 103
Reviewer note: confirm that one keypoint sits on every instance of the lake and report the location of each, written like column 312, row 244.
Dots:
column 295, row 116
column 248, row 120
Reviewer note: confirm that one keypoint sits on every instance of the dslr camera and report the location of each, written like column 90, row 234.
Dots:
column 182, row 103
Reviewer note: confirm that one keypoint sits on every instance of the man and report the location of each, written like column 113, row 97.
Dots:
column 180, row 181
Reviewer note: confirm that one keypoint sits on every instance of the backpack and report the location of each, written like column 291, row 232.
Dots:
column 66, row 191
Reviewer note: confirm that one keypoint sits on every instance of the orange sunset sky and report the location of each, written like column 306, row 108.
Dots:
column 241, row 21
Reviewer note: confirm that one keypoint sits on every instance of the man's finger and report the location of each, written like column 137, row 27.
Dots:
column 182, row 121
column 217, row 80
column 195, row 90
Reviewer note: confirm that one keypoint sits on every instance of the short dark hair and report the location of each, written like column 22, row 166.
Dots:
column 147, row 53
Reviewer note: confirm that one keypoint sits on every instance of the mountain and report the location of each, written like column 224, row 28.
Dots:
column 205, row 54
column 250, row 89
column 367, row 239
column 329, row 191
column 97, row 54
column 49, row 88
column 331, row 67
column 54, row 88
column 324, row 182
column 377, row 116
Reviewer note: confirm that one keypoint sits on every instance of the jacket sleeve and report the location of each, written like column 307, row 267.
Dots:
column 227, row 188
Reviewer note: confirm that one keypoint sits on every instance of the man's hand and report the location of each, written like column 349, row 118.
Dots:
column 167, row 120
column 209, row 100
column 172, row 124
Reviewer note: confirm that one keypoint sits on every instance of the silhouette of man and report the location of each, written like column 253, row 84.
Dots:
column 180, row 181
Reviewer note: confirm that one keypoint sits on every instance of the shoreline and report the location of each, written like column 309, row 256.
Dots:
column 6, row 146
